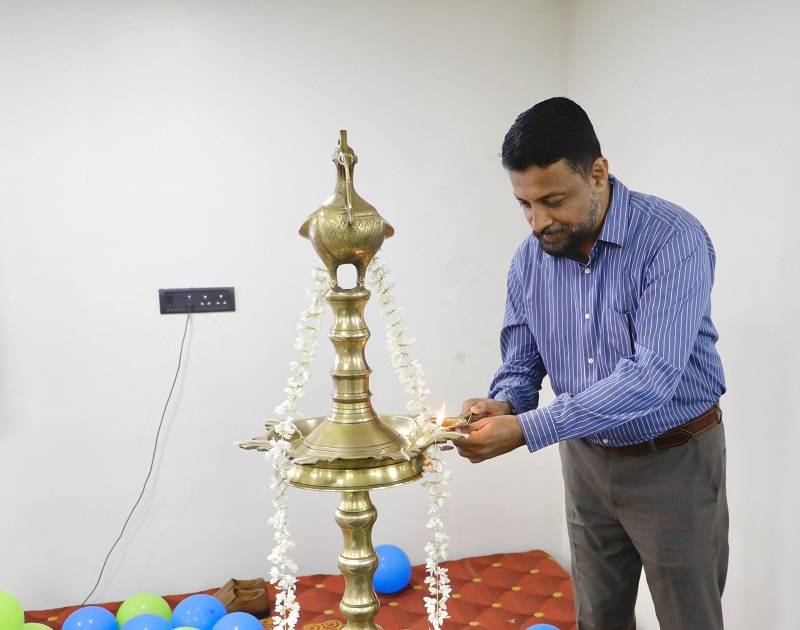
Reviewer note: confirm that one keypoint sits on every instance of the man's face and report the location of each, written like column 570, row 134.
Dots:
column 562, row 207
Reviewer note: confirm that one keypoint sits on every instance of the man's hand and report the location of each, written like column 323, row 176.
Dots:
column 485, row 408
column 490, row 437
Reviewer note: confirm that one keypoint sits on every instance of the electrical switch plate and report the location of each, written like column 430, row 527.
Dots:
column 197, row 300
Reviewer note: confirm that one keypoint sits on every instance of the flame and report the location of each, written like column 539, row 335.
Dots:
column 440, row 415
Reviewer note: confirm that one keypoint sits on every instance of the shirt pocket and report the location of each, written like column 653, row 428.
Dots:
column 619, row 331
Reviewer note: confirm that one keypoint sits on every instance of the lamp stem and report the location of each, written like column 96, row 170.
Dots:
column 356, row 515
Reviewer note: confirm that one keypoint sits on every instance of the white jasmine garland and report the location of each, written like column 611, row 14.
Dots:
column 410, row 373
column 286, row 611
column 287, row 608
column 436, row 550
column 306, row 342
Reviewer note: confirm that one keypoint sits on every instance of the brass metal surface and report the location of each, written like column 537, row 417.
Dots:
column 352, row 450
column 353, row 430
column 356, row 515
column 346, row 229
column 358, row 475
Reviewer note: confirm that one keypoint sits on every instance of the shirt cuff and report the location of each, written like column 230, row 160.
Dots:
column 539, row 428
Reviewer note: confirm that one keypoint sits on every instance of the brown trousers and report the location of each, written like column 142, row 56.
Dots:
column 665, row 511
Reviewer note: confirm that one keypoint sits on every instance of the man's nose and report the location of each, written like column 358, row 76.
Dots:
column 539, row 220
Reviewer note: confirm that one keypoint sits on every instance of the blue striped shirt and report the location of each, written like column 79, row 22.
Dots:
column 626, row 338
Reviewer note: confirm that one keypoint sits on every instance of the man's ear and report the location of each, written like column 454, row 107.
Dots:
column 599, row 174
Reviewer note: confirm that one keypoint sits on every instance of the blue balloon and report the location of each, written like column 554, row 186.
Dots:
column 198, row 611
column 147, row 622
column 541, row 626
column 91, row 618
column 238, row 621
column 394, row 570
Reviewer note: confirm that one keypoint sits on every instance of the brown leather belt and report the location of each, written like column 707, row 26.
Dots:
column 674, row 437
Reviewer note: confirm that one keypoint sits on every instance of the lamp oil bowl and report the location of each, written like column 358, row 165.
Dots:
column 353, row 450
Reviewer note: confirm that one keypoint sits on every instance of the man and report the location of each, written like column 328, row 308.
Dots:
column 610, row 297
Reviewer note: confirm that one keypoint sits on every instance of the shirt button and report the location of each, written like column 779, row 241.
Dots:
column 605, row 440
column 590, row 360
column 587, row 270
column 586, row 316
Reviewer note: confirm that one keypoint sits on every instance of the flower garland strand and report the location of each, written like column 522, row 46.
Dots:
column 286, row 611
column 410, row 373
column 438, row 582
column 287, row 608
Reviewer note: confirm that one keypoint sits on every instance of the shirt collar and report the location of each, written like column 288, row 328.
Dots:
column 615, row 224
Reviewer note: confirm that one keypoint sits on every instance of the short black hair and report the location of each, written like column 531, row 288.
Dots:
column 550, row 131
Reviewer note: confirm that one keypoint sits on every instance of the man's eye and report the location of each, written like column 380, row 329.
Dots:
column 524, row 204
column 554, row 204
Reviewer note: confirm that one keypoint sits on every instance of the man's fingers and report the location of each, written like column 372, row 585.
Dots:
column 472, row 454
column 469, row 403
column 490, row 437
column 485, row 407
column 473, row 445
column 479, row 409
column 467, row 450
column 477, row 425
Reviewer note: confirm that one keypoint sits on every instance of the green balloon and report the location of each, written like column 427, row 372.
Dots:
column 143, row 604
column 36, row 626
column 11, row 615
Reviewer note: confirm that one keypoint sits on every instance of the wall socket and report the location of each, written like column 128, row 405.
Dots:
column 197, row 300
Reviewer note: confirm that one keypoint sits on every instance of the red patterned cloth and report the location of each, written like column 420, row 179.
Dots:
column 512, row 590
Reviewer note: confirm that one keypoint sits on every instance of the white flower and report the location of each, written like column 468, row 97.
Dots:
column 411, row 375
column 281, row 574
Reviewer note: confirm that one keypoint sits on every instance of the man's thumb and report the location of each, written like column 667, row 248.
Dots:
column 478, row 407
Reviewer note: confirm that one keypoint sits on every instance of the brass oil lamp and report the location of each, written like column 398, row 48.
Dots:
column 353, row 449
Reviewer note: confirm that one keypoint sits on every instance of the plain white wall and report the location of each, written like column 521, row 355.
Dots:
column 697, row 102
column 169, row 144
